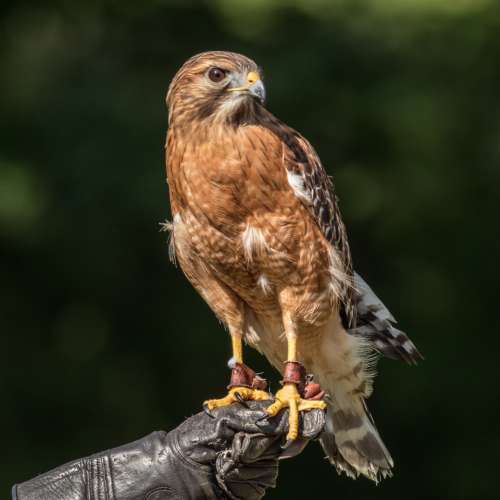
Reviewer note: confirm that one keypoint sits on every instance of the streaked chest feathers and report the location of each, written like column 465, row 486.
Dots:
column 238, row 213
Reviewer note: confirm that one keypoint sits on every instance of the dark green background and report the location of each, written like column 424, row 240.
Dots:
column 103, row 340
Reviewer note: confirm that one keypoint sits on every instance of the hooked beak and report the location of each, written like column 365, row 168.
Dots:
column 254, row 87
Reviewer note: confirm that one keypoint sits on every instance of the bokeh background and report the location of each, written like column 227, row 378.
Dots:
column 103, row 340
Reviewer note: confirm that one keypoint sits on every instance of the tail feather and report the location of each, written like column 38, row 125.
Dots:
column 353, row 445
column 327, row 440
column 376, row 325
column 350, row 438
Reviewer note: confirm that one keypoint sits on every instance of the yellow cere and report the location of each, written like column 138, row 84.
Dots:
column 252, row 77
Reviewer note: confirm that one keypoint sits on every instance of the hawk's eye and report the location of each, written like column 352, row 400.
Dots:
column 216, row 74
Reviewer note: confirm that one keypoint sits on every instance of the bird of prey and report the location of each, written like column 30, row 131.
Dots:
column 258, row 232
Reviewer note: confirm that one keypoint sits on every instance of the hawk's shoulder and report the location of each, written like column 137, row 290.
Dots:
column 312, row 185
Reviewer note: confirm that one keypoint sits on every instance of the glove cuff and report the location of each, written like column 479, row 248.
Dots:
column 152, row 467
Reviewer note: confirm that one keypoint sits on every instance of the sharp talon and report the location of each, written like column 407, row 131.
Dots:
column 207, row 411
column 287, row 444
column 240, row 394
column 289, row 397
column 240, row 399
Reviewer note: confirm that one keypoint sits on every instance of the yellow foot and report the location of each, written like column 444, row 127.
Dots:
column 237, row 394
column 288, row 397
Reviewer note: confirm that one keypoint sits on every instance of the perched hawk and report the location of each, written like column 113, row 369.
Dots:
column 258, row 232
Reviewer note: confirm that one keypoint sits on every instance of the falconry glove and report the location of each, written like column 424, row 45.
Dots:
column 232, row 452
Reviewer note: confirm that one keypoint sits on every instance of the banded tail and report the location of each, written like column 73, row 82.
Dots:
column 343, row 368
column 352, row 443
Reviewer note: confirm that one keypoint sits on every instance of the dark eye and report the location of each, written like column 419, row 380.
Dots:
column 216, row 74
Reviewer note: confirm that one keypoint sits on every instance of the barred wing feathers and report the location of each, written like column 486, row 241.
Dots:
column 312, row 185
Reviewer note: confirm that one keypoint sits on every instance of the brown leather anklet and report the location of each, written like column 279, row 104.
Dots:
column 243, row 376
column 294, row 373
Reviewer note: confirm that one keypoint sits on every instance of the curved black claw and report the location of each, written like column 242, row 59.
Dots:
column 207, row 411
column 237, row 395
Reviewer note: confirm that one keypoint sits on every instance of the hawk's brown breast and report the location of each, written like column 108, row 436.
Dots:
column 242, row 219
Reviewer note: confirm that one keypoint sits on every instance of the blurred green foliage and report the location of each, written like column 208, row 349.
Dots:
column 103, row 340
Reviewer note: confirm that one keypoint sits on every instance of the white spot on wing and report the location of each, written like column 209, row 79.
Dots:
column 253, row 242
column 297, row 184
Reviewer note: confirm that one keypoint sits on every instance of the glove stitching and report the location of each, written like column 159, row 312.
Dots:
column 82, row 467
column 221, row 474
column 107, row 478
column 91, row 475
column 166, row 489
column 225, row 489
column 97, row 478
column 112, row 486
column 176, row 449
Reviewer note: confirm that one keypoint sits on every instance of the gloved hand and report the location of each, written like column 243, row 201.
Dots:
column 232, row 452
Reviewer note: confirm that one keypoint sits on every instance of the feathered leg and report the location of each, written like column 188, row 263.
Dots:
column 230, row 309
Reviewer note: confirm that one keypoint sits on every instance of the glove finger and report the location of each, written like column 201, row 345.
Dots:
column 248, row 448
column 250, row 466
column 293, row 449
column 253, row 419
column 240, row 418
column 249, row 482
column 274, row 425
column 313, row 423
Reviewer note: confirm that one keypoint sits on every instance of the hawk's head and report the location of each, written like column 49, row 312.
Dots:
column 217, row 85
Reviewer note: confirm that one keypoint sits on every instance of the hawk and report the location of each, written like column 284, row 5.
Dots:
column 258, row 232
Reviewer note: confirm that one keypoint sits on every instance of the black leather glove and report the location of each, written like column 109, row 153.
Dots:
column 231, row 453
